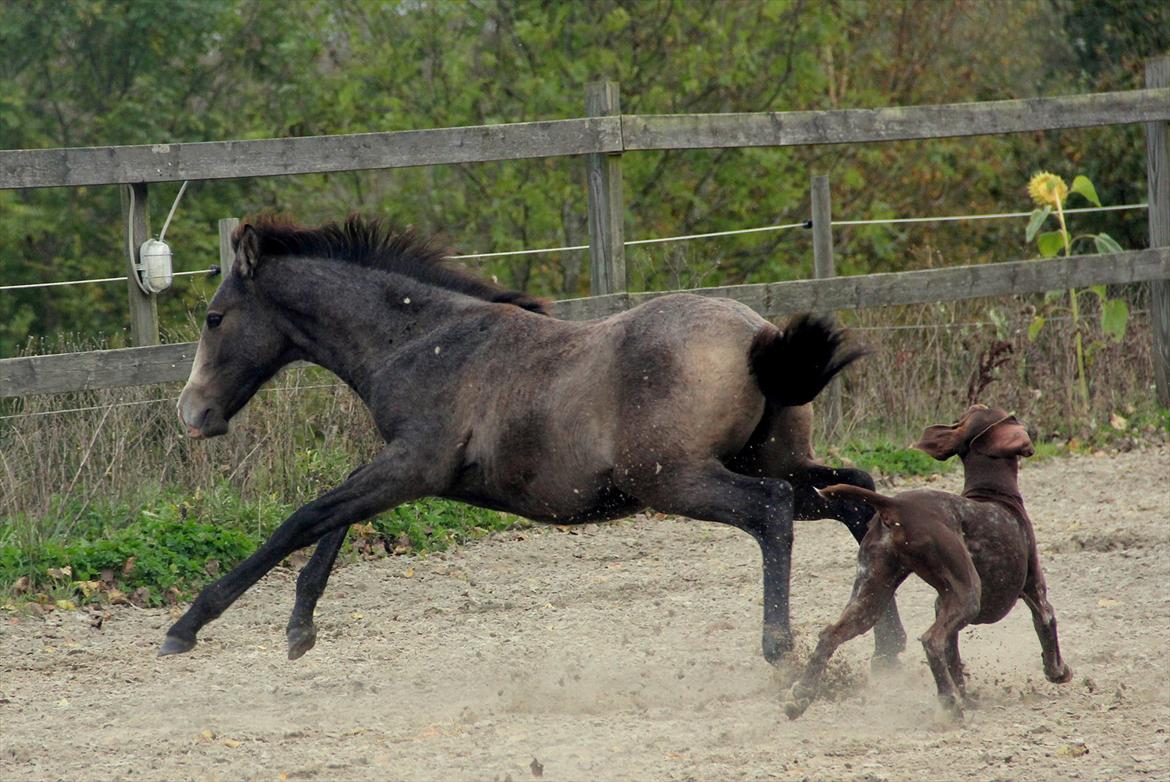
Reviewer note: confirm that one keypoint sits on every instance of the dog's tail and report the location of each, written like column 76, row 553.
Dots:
column 876, row 501
column 793, row 365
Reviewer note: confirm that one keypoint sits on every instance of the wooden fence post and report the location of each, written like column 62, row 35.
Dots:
column 143, row 306
column 1158, row 198
column 607, row 250
column 226, row 256
column 823, row 267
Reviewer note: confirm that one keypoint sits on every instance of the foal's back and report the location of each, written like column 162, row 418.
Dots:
column 561, row 419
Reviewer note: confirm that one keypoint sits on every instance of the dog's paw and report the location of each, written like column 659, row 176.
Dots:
column 1061, row 675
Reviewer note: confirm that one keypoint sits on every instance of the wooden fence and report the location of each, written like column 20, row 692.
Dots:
column 602, row 137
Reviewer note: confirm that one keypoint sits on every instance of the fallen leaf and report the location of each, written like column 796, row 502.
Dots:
column 128, row 567
column 1108, row 602
column 409, row 572
column 1118, row 422
column 207, row 735
column 117, row 597
column 21, row 586
column 231, row 743
column 60, row 572
column 65, row 605
column 1074, row 749
column 89, row 588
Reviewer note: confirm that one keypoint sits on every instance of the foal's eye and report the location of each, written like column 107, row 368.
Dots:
column 214, row 319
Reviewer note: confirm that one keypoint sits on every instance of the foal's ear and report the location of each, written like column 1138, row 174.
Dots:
column 247, row 251
column 942, row 441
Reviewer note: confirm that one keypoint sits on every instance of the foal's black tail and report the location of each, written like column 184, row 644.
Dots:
column 793, row 365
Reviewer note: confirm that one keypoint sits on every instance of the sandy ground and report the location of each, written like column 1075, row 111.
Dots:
column 625, row 651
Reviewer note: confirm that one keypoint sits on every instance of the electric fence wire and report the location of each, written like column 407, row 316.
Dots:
column 660, row 240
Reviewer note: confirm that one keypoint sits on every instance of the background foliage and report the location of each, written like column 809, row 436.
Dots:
column 94, row 72
column 114, row 494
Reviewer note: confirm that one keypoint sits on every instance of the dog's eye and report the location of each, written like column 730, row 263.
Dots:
column 214, row 319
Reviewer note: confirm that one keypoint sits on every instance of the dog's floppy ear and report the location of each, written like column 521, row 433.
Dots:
column 943, row 441
column 1005, row 439
column 247, row 243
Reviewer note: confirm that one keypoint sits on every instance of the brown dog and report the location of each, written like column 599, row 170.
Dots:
column 978, row 551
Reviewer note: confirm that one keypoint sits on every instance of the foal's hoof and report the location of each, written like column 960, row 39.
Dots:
column 1059, row 676
column 301, row 639
column 777, row 644
column 884, row 663
column 175, row 645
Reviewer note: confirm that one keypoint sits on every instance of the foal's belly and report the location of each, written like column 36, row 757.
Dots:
column 589, row 501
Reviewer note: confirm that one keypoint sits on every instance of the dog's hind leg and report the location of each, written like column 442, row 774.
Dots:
column 780, row 448
column 957, row 605
column 878, row 576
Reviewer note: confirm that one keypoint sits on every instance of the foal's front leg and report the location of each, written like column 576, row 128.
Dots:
column 302, row 631
column 395, row 477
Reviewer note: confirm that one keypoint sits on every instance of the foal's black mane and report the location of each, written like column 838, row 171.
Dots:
column 372, row 244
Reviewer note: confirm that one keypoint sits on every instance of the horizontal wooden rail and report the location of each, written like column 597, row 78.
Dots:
column 772, row 299
column 854, row 126
column 27, row 168
column 142, row 366
column 305, row 155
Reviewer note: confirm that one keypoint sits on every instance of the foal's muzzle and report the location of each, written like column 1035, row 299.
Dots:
column 201, row 418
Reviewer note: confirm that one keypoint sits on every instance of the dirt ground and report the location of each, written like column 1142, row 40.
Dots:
column 624, row 651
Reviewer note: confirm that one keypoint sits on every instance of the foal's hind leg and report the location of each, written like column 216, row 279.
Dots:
column 760, row 506
column 302, row 631
column 780, row 448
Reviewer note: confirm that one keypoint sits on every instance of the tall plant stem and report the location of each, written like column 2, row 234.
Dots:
column 1075, row 309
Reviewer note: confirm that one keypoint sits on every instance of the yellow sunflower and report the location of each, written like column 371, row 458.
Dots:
column 1046, row 188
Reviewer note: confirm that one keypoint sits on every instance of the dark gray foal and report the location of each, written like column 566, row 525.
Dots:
column 688, row 405
column 978, row 551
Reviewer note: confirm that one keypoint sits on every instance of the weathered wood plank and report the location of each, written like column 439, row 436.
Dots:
column 64, row 372
column 24, row 168
column 306, row 155
column 852, row 126
column 914, row 287
column 1158, row 196
column 603, row 173
column 143, row 366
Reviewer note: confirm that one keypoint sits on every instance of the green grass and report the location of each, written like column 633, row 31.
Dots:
column 176, row 542
column 885, row 458
column 172, row 542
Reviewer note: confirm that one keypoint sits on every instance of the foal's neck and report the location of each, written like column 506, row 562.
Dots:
column 346, row 318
